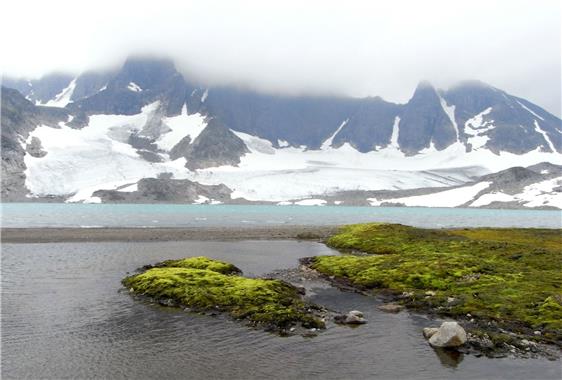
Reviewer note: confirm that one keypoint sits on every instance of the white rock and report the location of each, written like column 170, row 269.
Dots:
column 356, row 313
column 450, row 334
column 428, row 332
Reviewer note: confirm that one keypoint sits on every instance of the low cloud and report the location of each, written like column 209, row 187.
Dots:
column 356, row 48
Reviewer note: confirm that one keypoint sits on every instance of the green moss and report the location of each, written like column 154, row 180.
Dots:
column 201, row 262
column 205, row 284
column 509, row 275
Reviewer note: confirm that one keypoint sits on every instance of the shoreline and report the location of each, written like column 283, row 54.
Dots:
column 159, row 234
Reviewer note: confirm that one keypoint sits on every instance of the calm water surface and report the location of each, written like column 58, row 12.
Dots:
column 166, row 215
column 64, row 316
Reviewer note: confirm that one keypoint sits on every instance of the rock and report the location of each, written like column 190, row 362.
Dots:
column 354, row 317
column 428, row 332
column 356, row 313
column 450, row 334
column 391, row 308
column 430, row 293
column 537, row 332
column 451, row 299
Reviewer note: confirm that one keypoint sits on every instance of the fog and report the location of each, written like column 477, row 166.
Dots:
column 355, row 48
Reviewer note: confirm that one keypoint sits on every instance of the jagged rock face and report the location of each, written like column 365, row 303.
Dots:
column 298, row 120
column 513, row 118
column 215, row 146
column 89, row 83
column 424, row 121
column 19, row 118
column 138, row 83
column 370, row 126
column 166, row 190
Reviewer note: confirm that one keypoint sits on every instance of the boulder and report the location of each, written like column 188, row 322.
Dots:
column 354, row 317
column 450, row 334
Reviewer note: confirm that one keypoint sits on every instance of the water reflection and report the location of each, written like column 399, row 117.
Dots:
column 449, row 357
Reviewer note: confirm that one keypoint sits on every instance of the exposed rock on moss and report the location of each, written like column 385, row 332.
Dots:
column 205, row 284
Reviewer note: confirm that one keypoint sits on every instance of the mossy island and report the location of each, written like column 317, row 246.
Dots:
column 202, row 284
column 502, row 283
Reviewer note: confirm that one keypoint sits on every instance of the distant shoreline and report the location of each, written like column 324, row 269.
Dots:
column 109, row 234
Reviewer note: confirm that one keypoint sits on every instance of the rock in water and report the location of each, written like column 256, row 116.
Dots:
column 450, row 334
column 391, row 308
column 354, row 317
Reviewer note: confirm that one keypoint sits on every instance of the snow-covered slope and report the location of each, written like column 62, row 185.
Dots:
column 515, row 187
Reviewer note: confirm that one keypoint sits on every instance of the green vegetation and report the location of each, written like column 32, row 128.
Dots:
column 205, row 284
column 199, row 263
column 511, row 276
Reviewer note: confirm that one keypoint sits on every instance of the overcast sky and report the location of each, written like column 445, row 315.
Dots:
column 356, row 48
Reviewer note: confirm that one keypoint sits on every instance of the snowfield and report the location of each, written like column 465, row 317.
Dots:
column 98, row 156
column 181, row 126
column 449, row 198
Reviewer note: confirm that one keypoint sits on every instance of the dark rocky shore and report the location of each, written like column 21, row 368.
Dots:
column 55, row 235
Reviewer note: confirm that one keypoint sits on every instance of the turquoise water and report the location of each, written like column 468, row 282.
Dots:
column 26, row 215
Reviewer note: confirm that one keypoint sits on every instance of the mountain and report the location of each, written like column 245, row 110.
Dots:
column 66, row 138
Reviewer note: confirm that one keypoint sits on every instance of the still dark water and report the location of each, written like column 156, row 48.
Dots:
column 64, row 316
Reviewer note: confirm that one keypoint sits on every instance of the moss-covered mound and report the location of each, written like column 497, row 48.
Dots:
column 205, row 284
column 511, row 276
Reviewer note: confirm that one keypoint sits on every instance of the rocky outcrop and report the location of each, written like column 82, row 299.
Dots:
column 166, row 190
column 215, row 146
column 19, row 118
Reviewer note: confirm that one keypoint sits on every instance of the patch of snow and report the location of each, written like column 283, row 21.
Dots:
column 545, row 136
column 282, row 143
column 394, row 137
column 488, row 198
column 63, row 98
column 103, row 88
column 450, row 111
column 311, row 202
column 132, row 86
column 328, row 143
column 448, row 198
column 181, row 126
column 476, row 127
column 530, row 110
column 284, row 203
column 204, row 97
column 338, row 202
column 201, row 199
column 255, row 143
column 93, row 200
column 535, row 195
column 545, row 171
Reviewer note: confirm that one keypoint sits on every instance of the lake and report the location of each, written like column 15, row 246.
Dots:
column 65, row 315
column 169, row 215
